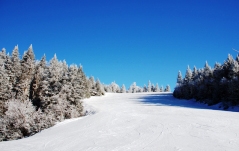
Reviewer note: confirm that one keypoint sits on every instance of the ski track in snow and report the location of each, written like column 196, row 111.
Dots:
column 138, row 122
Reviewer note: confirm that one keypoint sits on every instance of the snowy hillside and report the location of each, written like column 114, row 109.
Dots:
column 141, row 121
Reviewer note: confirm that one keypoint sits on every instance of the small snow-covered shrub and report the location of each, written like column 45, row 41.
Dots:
column 21, row 119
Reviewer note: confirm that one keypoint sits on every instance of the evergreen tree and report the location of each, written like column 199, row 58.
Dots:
column 123, row 89
column 207, row 71
column 55, row 89
column 99, row 88
column 5, row 89
column 227, row 67
column 8, row 65
column 237, row 58
column 140, row 90
column 114, row 87
column 179, row 78
column 207, row 85
column 149, row 86
column 131, row 88
column 188, row 76
column 145, row 88
column 2, row 57
column 85, row 87
column 212, row 86
column 50, row 89
column 91, row 83
column 167, row 89
column 217, row 92
column 161, row 89
column 152, row 88
column 107, row 88
column 134, row 88
column 194, row 73
column 15, row 69
column 27, row 71
column 157, row 88
column 36, row 84
column 42, row 97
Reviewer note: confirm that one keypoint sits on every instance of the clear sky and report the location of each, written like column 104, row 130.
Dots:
column 124, row 41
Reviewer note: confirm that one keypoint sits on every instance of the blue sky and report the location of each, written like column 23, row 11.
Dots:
column 124, row 40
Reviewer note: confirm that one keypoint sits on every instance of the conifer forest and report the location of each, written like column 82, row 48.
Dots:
column 211, row 85
column 35, row 95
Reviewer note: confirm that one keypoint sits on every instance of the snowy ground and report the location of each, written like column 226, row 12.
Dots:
column 143, row 121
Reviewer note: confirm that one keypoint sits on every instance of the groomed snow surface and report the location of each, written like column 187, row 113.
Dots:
column 139, row 121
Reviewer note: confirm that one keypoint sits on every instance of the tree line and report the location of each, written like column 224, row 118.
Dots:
column 34, row 95
column 115, row 88
column 211, row 85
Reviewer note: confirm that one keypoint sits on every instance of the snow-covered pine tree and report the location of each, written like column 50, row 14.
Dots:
column 217, row 90
column 44, row 89
column 99, row 88
column 68, row 101
column 27, row 71
column 167, row 89
column 5, row 90
column 55, row 76
column 55, row 88
column 15, row 69
column 36, row 85
column 84, row 85
column 149, row 86
column 188, row 76
column 50, row 88
column 161, row 89
column 187, row 87
column 114, row 87
column 140, row 90
column 123, row 89
column 179, row 78
column 194, row 73
column 217, row 71
column 74, row 93
column 157, row 88
column 107, row 88
column 2, row 57
column 91, row 83
column 152, row 88
column 8, row 70
column 230, row 67
column 145, row 88
column 206, row 88
column 207, row 71
column 132, row 88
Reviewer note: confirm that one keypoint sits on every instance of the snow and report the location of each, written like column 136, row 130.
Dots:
column 138, row 121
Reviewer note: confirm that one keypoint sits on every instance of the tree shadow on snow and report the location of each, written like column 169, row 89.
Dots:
column 167, row 99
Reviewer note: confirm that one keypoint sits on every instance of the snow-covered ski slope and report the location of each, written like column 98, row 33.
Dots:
column 137, row 122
